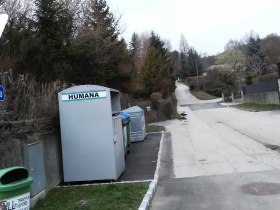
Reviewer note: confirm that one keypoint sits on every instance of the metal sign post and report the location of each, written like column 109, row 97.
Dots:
column 3, row 21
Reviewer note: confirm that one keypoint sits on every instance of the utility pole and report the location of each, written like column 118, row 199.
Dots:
column 197, row 73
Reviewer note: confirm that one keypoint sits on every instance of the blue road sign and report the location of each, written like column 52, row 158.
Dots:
column 2, row 93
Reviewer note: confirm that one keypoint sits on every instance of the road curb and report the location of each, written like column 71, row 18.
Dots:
column 153, row 185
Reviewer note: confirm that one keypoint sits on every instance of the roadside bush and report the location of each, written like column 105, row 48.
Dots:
column 266, row 77
column 165, row 109
column 155, row 100
column 217, row 90
column 248, row 80
column 191, row 87
column 194, row 84
column 26, row 99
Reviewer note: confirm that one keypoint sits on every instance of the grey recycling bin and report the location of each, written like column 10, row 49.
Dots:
column 137, row 123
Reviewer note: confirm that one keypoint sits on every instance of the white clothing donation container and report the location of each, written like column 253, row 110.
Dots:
column 91, row 133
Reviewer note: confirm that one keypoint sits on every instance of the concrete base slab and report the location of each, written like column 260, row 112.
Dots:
column 141, row 162
column 38, row 197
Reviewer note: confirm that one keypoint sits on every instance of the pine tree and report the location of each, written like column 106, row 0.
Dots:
column 54, row 23
column 257, row 62
column 184, row 66
column 157, row 71
column 175, row 60
column 54, row 27
column 99, row 19
column 135, row 51
column 194, row 66
column 98, row 39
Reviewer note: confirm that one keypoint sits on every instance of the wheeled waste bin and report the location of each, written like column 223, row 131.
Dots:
column 15, row 184
column 137, row 123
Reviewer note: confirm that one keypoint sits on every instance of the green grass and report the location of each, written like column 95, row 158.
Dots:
column 95, row 197
column 175, row 114
column 202, row 95
column 253, row 107
column 154, row 128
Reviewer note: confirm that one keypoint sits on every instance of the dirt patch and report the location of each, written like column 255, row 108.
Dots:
column 261, row 188
column 273, row 147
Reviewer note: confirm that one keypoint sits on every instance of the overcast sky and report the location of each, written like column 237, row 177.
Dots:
column 207, row 24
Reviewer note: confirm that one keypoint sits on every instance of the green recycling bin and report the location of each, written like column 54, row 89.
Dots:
column 15, row 184
column 126, row 134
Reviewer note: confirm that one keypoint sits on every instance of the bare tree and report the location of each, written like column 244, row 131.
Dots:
column 15, row 7
column 176, row 63
column 233, row 44
column 135, row 50
column 167, row 45
column 145, row 39
column 183, row 46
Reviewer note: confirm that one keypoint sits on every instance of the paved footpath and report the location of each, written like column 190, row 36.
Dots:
column 210, row 164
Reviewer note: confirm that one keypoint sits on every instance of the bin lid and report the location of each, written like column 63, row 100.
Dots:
column 14, row 178
column 133, row 109
column 125, row 116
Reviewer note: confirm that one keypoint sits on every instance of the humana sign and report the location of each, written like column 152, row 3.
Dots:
column 88, row 95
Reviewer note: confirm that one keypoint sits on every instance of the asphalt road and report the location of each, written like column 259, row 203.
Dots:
column 142, row 159
column 217, row 159
column 200, row 106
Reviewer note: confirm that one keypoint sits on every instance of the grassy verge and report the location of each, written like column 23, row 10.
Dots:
column 253, row 107
column 202, row 95
column 97, row 197
column 154, row 128
column 175, row 114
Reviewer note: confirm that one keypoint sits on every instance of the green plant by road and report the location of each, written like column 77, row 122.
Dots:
column 253, row 107
column 202, row 95
column 155, row 128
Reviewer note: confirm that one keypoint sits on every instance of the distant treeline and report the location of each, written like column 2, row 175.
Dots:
column 79, row 41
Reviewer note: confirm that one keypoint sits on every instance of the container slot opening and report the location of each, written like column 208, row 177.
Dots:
column 14, row 176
